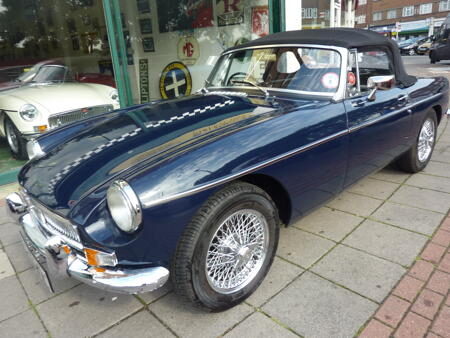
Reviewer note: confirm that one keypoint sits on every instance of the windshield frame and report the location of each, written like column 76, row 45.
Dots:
column 338, row 95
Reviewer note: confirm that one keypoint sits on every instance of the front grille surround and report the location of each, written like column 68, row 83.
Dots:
column 55, row 223
column 71, row 116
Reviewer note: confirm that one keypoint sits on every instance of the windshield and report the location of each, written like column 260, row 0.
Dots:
column 46, row 73
column 313, row 70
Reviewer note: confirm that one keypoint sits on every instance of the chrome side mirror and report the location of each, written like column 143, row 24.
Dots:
column 382, row 82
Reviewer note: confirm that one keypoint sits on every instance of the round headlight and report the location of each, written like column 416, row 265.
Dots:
column 114, row 95
column 34, row 150
column 28, row 112
column 124, row 206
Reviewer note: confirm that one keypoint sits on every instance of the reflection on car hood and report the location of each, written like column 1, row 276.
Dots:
column 135, row 138
column 57, row 98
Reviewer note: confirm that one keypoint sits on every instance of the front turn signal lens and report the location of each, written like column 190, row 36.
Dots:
column 99, row 258
column 41, row 129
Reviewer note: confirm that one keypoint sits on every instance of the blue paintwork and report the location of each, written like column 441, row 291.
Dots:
column 196, row 151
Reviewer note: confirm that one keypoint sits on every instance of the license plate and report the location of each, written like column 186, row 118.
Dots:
column 38, row 260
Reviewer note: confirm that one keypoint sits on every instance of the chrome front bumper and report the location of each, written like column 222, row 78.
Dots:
column 48, row 254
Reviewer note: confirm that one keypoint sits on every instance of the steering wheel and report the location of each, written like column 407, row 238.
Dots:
column 244, row 75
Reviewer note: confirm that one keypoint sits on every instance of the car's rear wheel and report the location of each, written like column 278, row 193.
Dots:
column 228, row 248
column 418, row 156
column 411, row 52
column 17, row 144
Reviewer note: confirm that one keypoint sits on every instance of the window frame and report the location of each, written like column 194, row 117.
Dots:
column 428, row 5
column 447, row 6
column 391, row 11
column 406, row 10
column 376, row 13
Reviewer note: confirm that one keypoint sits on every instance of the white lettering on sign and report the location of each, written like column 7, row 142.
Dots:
column 309, row 13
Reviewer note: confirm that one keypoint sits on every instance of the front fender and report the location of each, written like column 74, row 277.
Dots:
column 11, row 107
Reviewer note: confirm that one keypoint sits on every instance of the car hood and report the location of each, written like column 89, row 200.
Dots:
column 136, row 139
column 57, row 98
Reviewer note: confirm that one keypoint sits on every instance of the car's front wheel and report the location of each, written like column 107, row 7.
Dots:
column 418, row 156
column 228, row 248
column 17, row 144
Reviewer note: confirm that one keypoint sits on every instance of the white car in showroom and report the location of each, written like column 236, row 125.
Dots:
column 52, row 98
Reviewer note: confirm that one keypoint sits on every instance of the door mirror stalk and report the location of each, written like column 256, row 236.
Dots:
column 372, row 96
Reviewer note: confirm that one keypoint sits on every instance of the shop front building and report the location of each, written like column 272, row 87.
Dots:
column 64, row 60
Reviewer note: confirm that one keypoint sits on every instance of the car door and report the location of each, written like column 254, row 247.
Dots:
column 378, row 127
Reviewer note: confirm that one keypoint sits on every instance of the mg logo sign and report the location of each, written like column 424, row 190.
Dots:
column 188, row 50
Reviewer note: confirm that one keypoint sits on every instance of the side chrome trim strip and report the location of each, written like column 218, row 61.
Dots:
column 258, row 166
column 386, row 116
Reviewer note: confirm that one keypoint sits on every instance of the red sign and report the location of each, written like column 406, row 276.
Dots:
column 260, row 20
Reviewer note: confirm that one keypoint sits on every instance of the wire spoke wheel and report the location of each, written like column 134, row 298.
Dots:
column 237, row 251
column 426, row 140
column 11, row 136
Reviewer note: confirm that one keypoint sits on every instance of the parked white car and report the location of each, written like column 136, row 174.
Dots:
column 49, row 101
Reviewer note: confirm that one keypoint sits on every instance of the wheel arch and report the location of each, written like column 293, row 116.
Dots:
column 275, row 190
column 438, row 111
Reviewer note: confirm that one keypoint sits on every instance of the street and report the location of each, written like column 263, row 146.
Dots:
column 420, row 65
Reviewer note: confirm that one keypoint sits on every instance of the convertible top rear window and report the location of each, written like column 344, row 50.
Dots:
column 306, row 69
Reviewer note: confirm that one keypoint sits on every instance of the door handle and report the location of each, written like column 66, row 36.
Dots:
column 403, row 98
column 358, row 103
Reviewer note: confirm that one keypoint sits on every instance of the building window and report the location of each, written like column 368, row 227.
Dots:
column 360, row 19
column 392, row 14
column 408, row 11
column 444, row 6
column 426, row 8
column 377, row 16
column 362, row 2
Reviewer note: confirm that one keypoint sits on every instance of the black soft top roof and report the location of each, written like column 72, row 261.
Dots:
column 340, row 37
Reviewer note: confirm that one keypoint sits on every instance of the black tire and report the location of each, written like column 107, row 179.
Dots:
column 432, row 58
column 410, row 161
column 188, row 270
column 17, row 144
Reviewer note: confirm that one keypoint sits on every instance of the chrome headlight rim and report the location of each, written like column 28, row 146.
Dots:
column 130, row 202
column 34, row 150
column 26, row 109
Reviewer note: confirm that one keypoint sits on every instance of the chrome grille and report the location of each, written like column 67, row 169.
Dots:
column 77, row 115
column 54, row 223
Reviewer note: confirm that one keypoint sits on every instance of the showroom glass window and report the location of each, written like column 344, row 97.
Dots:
column 172, row 45
column 55, row 69
column 315, row 14
column 68, row 32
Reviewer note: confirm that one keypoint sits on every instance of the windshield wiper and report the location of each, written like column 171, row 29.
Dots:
column 265, row 91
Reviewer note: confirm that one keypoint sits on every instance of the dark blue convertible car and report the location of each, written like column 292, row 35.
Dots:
column 195, row 188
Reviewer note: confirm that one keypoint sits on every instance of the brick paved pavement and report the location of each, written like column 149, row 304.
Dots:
column 342, row 270
column 420, row 303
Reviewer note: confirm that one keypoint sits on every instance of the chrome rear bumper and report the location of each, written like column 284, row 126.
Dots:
column 47, row 251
